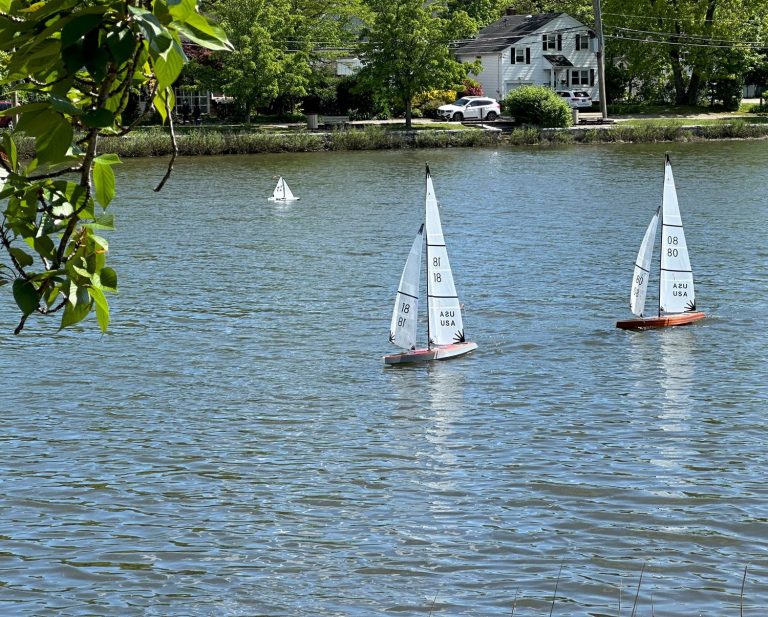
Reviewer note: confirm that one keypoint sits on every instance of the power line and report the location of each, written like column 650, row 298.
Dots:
column 687, row 36
column 684, row 44
column 659, row 18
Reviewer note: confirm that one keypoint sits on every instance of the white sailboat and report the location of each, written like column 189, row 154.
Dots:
column 445, row 326
column 677, row 300
column 282, row 192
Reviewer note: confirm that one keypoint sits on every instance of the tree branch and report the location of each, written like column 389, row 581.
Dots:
column 175, row 149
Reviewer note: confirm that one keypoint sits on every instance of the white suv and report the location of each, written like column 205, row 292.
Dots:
column 577, row 98
column 480, row 107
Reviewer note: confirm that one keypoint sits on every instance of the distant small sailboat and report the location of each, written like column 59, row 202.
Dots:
column 282, row 192
column 677, row 300
column 445, row 327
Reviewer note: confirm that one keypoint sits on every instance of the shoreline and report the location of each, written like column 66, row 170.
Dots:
column 210, row 141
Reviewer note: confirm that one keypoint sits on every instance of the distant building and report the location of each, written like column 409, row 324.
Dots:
column 348, row 66
column 551, row 49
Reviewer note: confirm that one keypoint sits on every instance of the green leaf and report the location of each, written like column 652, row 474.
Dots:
column 47, row 274
column 160, row 40
column 109, row 158
column 108, row 279
column 104, row 182
column 25, row 294
column 105, row 221
column 98, row 118
column 100, row 242
column 182, row 9
column 64, row 106
column 44, row 247
column 198, row 29
column 52, row 146
column 102, row 307
column 24, row 260
column 168, row 65
column 121, row 45
column 78, row 306
column 77, row 28
column 160, row 99
column 53, row 134
column 9, row 147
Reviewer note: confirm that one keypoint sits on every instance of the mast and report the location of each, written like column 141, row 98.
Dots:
column 426, row 263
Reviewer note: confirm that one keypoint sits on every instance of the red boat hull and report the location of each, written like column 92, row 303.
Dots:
column 664, row 321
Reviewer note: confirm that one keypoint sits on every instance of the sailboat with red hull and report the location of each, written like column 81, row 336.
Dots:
column 677, row 299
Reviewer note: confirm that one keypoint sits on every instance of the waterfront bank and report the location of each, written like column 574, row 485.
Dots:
column 209, row 141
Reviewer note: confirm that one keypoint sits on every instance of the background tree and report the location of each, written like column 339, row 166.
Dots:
column 407, row 49
column 683, row 41
column 79, row 60
column 483, row 12
column 279, row 43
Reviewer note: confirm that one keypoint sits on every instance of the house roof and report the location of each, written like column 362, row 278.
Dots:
column 505, row 32
column 558, row 60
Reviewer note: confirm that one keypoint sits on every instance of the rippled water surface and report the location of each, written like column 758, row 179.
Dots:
column 234, row 445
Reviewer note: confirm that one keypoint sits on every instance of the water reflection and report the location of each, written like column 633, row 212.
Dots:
column 677, row 378
column 445, row 386
column 676, row 381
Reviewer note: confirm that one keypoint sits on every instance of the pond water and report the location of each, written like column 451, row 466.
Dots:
column 235, row 446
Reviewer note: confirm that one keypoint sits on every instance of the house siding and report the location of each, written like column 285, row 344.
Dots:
column 499, row 75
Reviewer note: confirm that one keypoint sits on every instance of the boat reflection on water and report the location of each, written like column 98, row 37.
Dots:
column 674, row 450
column 445, row 385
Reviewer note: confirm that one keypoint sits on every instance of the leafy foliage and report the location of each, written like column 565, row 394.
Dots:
column 78, row 61
column 407, row 52
column 278, row 45
column 673, row 50
column 537, row 105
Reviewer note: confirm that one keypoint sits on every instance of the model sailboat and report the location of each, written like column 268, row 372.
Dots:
column 677, row 300
column 445, row 327
column 282, row 192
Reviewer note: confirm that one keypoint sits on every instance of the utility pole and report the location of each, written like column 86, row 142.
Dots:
column 600, row 57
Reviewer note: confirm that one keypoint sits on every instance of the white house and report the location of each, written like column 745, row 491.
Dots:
column 551, row 49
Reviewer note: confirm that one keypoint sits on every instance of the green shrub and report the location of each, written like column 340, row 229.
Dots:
column 537, row 105
column 429, row 101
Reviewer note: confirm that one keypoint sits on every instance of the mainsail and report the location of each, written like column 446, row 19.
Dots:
column 676, row 293
column 402, row 331
column 444, row 311
column 643, row 267
column 282, row 192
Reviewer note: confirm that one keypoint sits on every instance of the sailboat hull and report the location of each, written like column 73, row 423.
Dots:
column 664, row 321
column 441, row 352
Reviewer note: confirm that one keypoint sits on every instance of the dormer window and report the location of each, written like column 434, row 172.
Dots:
column 552, row 42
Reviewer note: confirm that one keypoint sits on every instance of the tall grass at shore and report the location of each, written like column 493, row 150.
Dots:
column 662, row 132
column 157, row 141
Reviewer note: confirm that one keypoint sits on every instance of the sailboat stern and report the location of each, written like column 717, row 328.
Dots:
column 663, row 321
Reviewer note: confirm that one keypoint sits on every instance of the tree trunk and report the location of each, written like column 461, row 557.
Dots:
column 408, row 114
column 695, row 84
column 677, row 76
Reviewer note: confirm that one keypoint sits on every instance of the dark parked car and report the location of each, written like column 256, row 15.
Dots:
column 5, row 121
